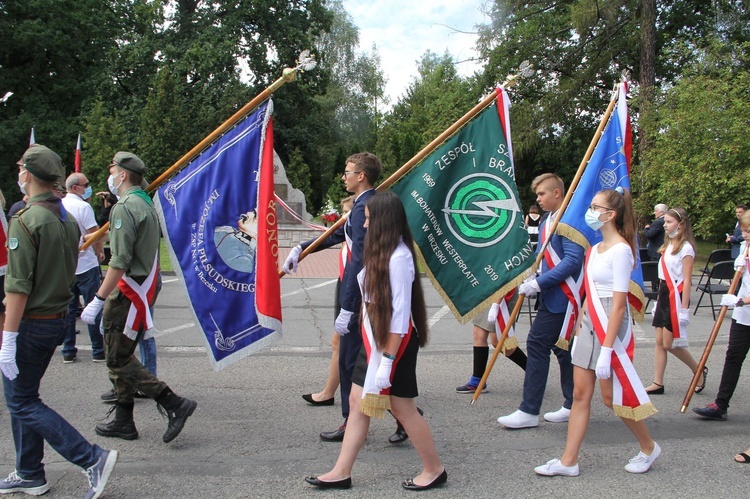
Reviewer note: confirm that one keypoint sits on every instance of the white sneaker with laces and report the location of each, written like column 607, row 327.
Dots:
column 556, row 468
column 518, row 420
column 561, row 415
column 641, row 462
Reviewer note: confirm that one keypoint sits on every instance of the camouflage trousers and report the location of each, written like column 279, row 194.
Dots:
column 126, row 372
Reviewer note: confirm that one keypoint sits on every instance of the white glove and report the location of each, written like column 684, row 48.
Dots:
column 290, row 265
column 492, row 313
column 529, row 288
column 683, row 315
column 728, row 300
column 92, row 310
column 653, row 310
column 8, row 355
column 604, row 363
column 383, row 375
column 342, row 322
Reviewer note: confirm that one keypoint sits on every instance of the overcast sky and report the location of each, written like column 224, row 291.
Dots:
column 404, row 30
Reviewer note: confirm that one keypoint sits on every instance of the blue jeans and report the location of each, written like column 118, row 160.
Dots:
column 542, row 338
column 32, row 422
column 148, row 354
column 86, row 285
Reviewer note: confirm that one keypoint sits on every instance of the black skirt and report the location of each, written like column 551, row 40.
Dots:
column 662, row 314
column 404, row 382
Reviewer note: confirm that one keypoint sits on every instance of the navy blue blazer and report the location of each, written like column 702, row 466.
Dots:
column 571, row 264
column 350, row 297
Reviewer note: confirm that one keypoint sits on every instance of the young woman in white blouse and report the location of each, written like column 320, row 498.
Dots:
column 394, row 327
column 604, row 345
column 672, row 309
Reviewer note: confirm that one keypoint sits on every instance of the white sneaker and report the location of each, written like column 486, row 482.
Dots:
column 519, row 419
column 556, row 468
column 560, row 416
column 641, row 462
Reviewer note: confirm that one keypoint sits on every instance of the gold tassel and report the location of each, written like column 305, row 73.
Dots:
column 510, row 343
column 562, row 343
column 636, row 414
column 375, row 405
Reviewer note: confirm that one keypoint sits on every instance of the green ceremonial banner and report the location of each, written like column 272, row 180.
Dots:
column 463, row 210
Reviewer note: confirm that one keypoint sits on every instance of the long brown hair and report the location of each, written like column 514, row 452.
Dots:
column 620, row 201
column 686, row 234
column 387, row 228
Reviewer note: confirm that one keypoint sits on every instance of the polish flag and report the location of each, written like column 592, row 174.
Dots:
column 77, row 162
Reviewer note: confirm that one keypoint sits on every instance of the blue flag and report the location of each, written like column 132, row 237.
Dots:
column 219, row 218
column 608, row 168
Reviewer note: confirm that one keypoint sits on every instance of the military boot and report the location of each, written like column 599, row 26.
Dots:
column 178, row 409
column 122, row 426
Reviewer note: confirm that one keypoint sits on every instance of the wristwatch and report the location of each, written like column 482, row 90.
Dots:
column 740, row 302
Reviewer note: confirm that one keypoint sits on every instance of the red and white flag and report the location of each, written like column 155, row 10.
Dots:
column 77, row 162
column 32, row 140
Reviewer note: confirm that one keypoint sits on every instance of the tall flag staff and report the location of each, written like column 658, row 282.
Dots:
column 524, row 70
column 77, row 161
column 306, row 62
column 553, row 228
column 733, row 287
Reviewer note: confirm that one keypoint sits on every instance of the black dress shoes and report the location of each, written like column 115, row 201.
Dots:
column 335, row 435
column 400, row 434
column 440, row 480
column 346, row 483
column 310, row 400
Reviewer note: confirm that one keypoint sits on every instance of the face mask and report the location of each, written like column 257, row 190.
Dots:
column 111, row 184
column 87, row 192
column 592, row 219
column 22, row 186
column 672, row 235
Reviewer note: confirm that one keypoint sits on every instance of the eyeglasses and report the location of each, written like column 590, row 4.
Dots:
column 346, row 172
column 595, row 207
column 86, row 184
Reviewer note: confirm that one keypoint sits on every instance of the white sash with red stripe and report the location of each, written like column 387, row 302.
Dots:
column 3, row 245
column 629, row 398
column 375, row 401
column 572, row 288
column 141, row 296
column 503, row 317
column 344, row 258
column 679, row 332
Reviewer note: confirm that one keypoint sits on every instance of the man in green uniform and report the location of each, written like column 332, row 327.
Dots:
column 131, row 282
column 42, row 256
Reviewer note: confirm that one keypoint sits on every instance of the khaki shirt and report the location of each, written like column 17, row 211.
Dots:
column 42, row 258
column 133, row 234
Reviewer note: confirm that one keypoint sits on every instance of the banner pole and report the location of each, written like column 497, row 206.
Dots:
column 540, row 255
column 712, row 338
column 524, row 70
column 288, row 75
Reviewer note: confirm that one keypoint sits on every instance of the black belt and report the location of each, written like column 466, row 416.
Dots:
column 59, row 315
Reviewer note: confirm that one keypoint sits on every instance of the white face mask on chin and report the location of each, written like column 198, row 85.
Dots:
column 22, row 185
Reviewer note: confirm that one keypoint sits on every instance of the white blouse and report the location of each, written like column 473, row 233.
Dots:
column 674, row 262
column 611, row 269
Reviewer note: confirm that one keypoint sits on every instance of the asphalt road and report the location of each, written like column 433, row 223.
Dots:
column 253, row 435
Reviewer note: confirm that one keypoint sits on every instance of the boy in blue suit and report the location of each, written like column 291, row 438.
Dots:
column 552, row 284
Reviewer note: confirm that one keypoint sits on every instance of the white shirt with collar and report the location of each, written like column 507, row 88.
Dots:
column 84, row 215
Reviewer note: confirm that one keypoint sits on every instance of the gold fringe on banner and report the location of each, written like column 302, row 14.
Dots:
column 636, row 414
column 375, row 405
column 510, row 343
column 562, row 344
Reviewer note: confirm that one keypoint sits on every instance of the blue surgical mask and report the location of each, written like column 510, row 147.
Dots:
column 87, row 192
column 592, row 219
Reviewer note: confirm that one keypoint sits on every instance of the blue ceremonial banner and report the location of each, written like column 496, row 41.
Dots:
column 219, row 219
column 608, row 168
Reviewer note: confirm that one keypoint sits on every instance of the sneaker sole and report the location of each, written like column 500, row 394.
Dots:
column 109, row 465
column 190, row 411
column 540, row 473
column 30, row 491
column 467, row 392
column 556, row 420
column 518, row 427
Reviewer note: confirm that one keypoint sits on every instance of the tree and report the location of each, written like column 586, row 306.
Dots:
column 699, row 160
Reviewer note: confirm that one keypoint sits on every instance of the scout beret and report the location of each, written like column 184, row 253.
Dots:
column 43, row 163
column 129, row 161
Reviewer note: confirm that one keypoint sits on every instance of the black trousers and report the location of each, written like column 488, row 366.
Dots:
column 739, row 344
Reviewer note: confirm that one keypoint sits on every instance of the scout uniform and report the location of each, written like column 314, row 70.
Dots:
column 42, row 256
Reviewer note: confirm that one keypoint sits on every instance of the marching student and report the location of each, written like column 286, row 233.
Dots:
column 605, row 340
column 739, row 335
column 672, row 309
column 394, row 327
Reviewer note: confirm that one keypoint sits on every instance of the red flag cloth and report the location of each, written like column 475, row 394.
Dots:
column 268, row 283
column 78, row 155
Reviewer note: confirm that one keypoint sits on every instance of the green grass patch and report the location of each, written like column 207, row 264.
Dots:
column 164, row 263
